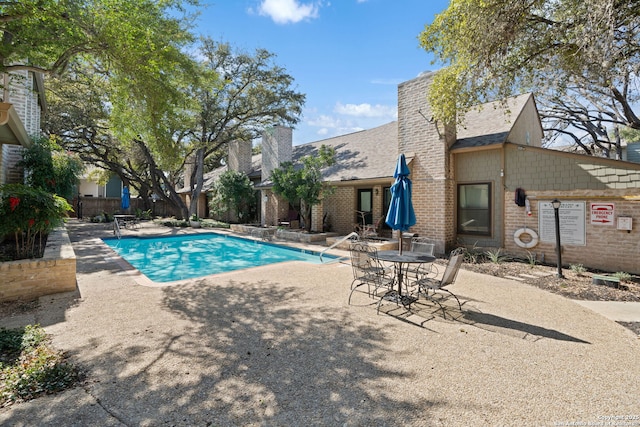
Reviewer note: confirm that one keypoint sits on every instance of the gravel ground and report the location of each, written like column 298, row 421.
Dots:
column 578, row 286
column 279, row 346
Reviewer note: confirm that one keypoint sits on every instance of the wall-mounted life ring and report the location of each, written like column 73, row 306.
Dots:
column 530, row 244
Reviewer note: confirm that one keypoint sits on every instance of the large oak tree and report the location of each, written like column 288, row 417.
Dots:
column 580, row 57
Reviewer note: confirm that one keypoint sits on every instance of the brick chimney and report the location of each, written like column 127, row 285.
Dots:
column 240, row 156
column 277, row 147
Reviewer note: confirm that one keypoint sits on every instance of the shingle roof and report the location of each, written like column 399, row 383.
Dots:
column 372, row 153
column 366, row 154
column 489, row 123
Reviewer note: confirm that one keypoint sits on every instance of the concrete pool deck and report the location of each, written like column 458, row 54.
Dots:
column 278, row 345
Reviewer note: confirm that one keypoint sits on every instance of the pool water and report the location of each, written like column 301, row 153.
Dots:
column 166, row 259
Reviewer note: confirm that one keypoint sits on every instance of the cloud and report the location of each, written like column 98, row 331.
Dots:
column 366, row 110
column 288, row 11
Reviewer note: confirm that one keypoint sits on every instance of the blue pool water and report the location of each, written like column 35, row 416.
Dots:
column 166, row 259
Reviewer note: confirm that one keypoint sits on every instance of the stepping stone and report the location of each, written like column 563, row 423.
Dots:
column 542, row 273
column 528, row 276
column 519, row 279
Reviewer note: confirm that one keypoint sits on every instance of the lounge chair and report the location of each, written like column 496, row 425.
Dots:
column 367, row 269
column 430, row 286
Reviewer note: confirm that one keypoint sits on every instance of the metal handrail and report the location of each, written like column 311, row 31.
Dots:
column 336, row 243
column 116, row 228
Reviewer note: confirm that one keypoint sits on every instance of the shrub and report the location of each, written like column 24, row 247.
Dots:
column 578, row 269
column 495, row 256
column 29, row 367
column 28, row 215
column 622, row 276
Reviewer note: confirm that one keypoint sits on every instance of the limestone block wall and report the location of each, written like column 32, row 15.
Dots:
column 33, row 278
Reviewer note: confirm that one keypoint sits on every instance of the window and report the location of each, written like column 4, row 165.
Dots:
column 474, row 209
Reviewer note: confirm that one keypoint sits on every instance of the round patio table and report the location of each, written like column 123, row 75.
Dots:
column 399, row 260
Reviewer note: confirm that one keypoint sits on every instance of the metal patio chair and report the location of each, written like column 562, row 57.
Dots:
column 368, row 270
column 430, row 286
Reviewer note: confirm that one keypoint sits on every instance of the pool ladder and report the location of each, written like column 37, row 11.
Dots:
column 337, row 242
column 116, row 229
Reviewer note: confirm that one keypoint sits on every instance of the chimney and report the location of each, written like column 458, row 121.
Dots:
column 240, row 156
column 277, row 147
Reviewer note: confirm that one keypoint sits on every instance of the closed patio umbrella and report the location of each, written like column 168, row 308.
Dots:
column 125, row 198
column 401, row 215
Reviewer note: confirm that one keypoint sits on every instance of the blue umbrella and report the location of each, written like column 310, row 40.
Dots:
column 401, row 215
column 125, row 198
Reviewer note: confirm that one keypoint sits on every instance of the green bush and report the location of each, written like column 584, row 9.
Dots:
column 28, row 215
column 29, row 367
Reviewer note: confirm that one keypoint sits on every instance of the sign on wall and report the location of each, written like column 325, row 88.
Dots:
column 572, row 223
column 602, row 213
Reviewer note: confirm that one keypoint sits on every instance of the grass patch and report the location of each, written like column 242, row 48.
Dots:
column 30, row 367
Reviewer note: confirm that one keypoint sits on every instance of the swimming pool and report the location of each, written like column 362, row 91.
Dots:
column 166, row 259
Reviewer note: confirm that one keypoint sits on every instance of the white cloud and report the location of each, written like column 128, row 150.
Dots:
column 366, row 110
column 288, row 11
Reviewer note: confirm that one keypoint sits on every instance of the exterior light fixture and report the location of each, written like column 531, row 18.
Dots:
column 556, row 208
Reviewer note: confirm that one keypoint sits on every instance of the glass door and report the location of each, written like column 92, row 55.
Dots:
column 365, row 206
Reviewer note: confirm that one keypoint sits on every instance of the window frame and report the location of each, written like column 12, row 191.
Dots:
column 489, row 210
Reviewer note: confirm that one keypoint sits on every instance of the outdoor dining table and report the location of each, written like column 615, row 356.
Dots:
column 399, row 260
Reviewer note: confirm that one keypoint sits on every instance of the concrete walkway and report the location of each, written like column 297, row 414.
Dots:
column 618, row 311
column 280, row 346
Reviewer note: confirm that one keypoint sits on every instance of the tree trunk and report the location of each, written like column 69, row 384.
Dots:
column 197, row 188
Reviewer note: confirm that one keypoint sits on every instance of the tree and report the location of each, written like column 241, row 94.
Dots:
column 304, row 182
column 234, row 193
column 148, row 139
column 238, row 96
column 580, row 57
column 45, row 35
column 51, row 169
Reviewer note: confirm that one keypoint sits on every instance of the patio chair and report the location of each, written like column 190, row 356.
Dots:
column 368, row 270
column 429, row 284
column 425, row 246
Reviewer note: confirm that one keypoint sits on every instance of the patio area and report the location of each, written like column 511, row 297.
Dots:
column 279, row 345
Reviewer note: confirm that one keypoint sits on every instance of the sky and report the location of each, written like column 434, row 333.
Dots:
column 346, row 56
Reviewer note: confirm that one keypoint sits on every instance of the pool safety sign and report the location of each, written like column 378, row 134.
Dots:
column 602, row 213
column 572, row 218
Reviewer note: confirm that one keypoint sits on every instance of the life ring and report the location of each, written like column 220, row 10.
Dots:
column 530, row 244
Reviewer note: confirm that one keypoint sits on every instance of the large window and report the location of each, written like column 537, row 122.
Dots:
column 474, row 209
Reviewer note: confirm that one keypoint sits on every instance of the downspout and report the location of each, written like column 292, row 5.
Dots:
column 503, row 181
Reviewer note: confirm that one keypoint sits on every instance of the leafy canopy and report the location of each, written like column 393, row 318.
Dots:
column 494, row 48
column 304, row 182
column 233, row 191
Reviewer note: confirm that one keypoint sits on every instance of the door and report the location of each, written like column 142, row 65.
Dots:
column 365, row 206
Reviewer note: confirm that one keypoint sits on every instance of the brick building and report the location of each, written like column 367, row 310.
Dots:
column 22, row 106
column 464, row 181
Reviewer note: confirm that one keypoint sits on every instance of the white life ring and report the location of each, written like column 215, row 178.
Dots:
column 530, row 244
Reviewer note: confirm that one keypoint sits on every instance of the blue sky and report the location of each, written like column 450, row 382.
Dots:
column 347, row 56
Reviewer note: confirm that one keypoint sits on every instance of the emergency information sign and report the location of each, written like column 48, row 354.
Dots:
column 602, row 213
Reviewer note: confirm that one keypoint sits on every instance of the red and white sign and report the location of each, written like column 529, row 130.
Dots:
column 602, row 213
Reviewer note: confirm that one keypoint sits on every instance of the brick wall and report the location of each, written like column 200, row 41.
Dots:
column 546, row 175
column 54, row 272
column 24, row 97
column 606, row 247
column 431, row 168
column 11, row 173
column 338, row 207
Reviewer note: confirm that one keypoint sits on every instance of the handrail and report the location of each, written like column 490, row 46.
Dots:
column 116, row 228
column 336, row 243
